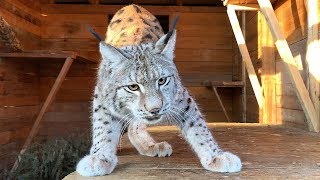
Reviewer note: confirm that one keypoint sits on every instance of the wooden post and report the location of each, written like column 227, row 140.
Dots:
column 245, row 55
column 286, row 55
column 56, row 86
column 313, row 53
column 244, row 72
column 268, row 71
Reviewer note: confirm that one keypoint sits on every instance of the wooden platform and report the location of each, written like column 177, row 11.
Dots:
column 267, row 152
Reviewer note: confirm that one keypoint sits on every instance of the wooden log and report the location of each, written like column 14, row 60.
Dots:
column 245, row 55
column 8, row 35
column 286, row 55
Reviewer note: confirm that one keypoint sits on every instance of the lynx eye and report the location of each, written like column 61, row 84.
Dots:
column 161, row 81
column 133, row 87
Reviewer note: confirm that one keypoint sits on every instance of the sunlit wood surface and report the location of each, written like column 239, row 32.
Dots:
column 267, row 152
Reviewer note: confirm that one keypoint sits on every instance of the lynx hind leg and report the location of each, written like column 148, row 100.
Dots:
column 144, row 143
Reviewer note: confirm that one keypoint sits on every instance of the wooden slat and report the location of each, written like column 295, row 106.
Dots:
column 43, row 54
column 241, row 2
column 226, row 84
column 45, row 106
column 245, row 55
column 245, row 7
column 112, row 9
column 286, row 55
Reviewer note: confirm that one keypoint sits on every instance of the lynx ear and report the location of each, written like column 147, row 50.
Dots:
column 166, row 45
column 110, row 54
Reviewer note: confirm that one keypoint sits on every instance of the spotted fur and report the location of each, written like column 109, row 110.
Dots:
column 138, row 84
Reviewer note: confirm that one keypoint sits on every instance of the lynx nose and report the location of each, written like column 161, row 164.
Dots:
column 155, row 111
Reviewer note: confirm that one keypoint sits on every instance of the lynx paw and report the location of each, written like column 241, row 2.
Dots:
column 162, row 149
column 92, row 165
column 224, row 162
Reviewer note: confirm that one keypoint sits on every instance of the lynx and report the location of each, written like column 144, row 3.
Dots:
column 138, row 84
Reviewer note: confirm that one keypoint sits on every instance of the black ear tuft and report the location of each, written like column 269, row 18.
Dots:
column 95, row 34
column 173, row 27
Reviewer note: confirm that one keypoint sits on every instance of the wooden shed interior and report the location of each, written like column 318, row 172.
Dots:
column 48, row 63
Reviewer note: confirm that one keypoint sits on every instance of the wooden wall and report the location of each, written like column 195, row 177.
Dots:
column 19, row 82
column 19, row 103
column 204, row 52
column 25, row 18
column 292, row 18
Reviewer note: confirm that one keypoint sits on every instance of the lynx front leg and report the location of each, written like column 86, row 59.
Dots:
column 144, row 143
column 105, row 136
column 195, row 131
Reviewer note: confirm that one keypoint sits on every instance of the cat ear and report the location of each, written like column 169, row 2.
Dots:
column 110, row 54
column 166, row 44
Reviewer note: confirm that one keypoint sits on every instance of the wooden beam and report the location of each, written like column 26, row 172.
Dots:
column 221, row 104
column 63, row 72
column 286, row 55
column 243, row 73
column 245, row 7
column 226, row 83
column 8, row 35
column 112, row 9
column 313, row 53
column 245, row 55
column 94, row 1
column 135, row 1
column 266, row 54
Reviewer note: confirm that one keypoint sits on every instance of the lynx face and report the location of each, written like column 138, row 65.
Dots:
column 143, row 77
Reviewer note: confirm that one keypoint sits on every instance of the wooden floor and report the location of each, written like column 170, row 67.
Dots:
column 267, row 152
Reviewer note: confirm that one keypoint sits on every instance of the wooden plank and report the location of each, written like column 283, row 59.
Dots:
column 19, row 22
column 221, row 104
column 245, row 55
column 243, row 73
column 226, row 84
column 256, row 150
column 245, row 7
column 268, row 72
column 25, row 7
column 201, row 43
column 43, row 54
column 292, row 15
column 313, row 54
column 112, row 9
column 45, row 106
column 286, row 55
column 39, row 54
column 199, row 55
column 241, row 2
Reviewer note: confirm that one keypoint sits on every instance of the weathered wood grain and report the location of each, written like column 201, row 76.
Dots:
column 267, row 152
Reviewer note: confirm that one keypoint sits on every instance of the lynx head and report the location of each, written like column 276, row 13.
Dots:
column 142, row 78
